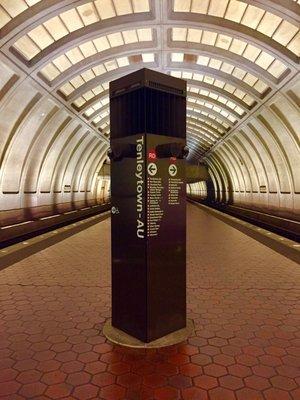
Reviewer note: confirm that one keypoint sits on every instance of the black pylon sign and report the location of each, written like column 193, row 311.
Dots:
column 148, row 136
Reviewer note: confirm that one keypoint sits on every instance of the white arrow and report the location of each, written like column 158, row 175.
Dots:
column 172, row 170
column 152, row 169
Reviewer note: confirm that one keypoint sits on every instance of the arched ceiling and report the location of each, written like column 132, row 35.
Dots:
column 234, row 54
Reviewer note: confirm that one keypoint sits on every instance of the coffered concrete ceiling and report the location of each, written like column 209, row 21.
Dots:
column 235, row 55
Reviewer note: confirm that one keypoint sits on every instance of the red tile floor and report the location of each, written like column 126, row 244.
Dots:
column 242, row 296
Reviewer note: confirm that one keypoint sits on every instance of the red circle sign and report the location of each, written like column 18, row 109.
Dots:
column 151, row 155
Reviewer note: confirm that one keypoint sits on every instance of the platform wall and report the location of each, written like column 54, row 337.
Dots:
column 258, row 166
column 197, row 190
column 50, row 160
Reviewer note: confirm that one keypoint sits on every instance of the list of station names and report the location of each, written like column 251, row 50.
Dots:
column 175, row 185
column 155, row 212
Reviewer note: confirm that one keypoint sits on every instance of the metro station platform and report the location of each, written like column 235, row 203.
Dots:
column 242, row 296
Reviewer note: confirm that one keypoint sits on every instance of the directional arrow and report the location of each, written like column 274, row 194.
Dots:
column 172, row 170
column 152, row 169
